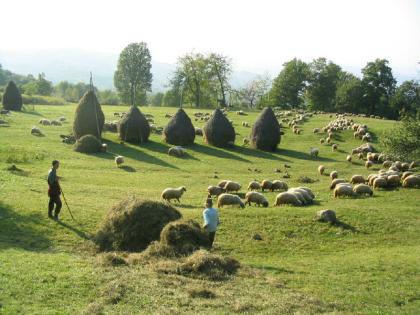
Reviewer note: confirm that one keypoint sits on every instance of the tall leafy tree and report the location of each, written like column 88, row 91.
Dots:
column 349, row 94
column 221, row 69
column 133, row 77
column 288, row 87
column 406, row 100
column 40, row 86
column 379, row 86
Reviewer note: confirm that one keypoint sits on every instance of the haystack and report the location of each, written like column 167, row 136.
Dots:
column 12, row 99
column 89, row 118
column 179, row 130
column 218, row 131
column 88, row 144
column 265, row 133
column 133, row 224
column 134, row 127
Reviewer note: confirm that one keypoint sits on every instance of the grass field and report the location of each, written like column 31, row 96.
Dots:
column 368, row 265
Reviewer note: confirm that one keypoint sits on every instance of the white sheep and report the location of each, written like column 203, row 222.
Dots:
column 36, row 131
column 173, row 193
column 254, row 185
column 222, row 183
column 411, row 181
column 343, row 190
column 287, row 198
column 368, row 164
column 229, row 200
column 119, row 160
column 232, row 186
column 362, row 189
column 215, row 190
column 327, row 216
column 334, row 147
column 357, row 179
column 257, row 198
column 198, row 131
column 348, row 158
column 279, row 185
column 337, row 181
column 266, row 184
column 333, row 174
column 380, row 182
column 302, row 195
column 309, row 191
column 176, row 151
column 393, row 180
column 321, row 169
column 314, row 152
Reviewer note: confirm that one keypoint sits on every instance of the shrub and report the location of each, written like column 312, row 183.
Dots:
column 179, row 130
column 218, row 131
column 42, row 100
column 133, row 224
column 89, row 118
column 265, row 134
column 12, row 99
column 134, row 127
column 88, row 144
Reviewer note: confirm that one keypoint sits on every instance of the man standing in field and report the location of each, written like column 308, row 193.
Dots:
column 211, row 220
column 54, row 191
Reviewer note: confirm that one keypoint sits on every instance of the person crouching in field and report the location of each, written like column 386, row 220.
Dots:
column 211, row 220
column 54, row 191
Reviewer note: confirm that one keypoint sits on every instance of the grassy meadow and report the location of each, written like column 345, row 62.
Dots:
column 370, row 264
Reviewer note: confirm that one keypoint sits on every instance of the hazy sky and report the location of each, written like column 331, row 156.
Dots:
column 258, row 34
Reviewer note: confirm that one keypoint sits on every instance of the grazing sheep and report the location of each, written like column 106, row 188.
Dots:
column 287, row 198
column 357, row 179
column 321, row 169
column 314, row 152
column 229, row 200
column 334, row 174
column 62, row 118
column 412, row 165
column 326, row 216
column 36, row 131
column 380, row 182
column 363, row 189
column 222, row 183
column 348, row 158
column 387, row 164
column 278, row 185
column 254, row 185
column 266, row 184
column 232, row 186
column 334, row 147
column 411, row 181
column 371, row 178
column 322, row 140
column 55, row 123
column 360, row 156
column 343, row 190
column 198, row 131
column 405, row 166
column 393, row 180
column 257, row 198
column 119, row 160
column 173, row 193
column 176, row 151
column 329, row 140
column 215, row 190
column 45, row 122
column 308, row 191
column 316, row 130
column 306, row 197
column 406, row 174
column 337, row 181
column 368, row 164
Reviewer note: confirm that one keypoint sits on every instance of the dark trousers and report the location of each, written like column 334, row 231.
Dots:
column 54, row 199
column 211, row 238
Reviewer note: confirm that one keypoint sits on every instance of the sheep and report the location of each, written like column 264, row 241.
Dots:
column 334, row 147
column 228, row 200
column 62, row 119
column 36, row 131
column 387, row 164
column 222, row 183
column 411, row 181
column 308, row 191
column 55, row 123
column 334, row 174
column 393, row 180
column 360, row 156
column 357, row 179
column 215, row 190
column 45, row 122
column 329, row 140
column 306, row 197
column 322, row 140
column 198, row 131
column 266, row 184
column 316, row 130
column 119, row 160
column 371, row 178
column 173, row 193
column 321, row 169
column 176, row 151
column 337, row 181
column 104, row 147
column 406, row 174
column 257, row 198
column 287, row 198
column 254, row 185
column 232, row 186
column 368, row 164
column 380, row 182
column 348, row 158
column 326, row 216
column 314, row 152
column 405, row 166
column 412, row 165
column 343, row 190
column 362, row 189
column 279, row 185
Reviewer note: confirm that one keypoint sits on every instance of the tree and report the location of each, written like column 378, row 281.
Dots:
column 349, row 94
column 157, row 99
column 40, row 86
column 172, row 97
column 221, row 69
column 133, row 77
column 406, row 100
column 255, row 90
column 288, row 88
column 379, row 86
column 322, row 84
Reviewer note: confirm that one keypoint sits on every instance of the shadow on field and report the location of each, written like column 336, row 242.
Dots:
column 31, row 112
column 344, row 226
column 259, row 154
column 19, row 231
column 301, row 155
column 77, row 231
column 213, row 151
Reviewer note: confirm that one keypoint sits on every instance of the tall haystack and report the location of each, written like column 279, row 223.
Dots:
column 179, row 130
column 89, row 118
column 265, row 133
column 12, row 99
column 134, row 127
column 218, row 131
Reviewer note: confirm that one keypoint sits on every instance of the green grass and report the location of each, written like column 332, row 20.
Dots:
column 369, row 265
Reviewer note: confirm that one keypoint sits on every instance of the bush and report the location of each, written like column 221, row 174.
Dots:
column 403, row 141
column 134, row 127
column 89, row 118
column 179, row 130
column 12, row 99
column 42, row 100
column 88, row 144
column 218, row 131
column 133, row 224
column 265, row 134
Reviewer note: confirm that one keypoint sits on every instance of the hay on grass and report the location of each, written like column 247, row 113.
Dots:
column 179, row 130
column 89, row 118
column 134, row 127
column 88, row 144
column 218, row 131
column 133, row 224
column 112, row 259
column 265, row 133
column 12, row 99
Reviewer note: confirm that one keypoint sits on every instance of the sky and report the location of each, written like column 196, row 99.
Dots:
column 258, row 35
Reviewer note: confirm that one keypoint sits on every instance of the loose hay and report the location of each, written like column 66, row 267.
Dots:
column 88, row 144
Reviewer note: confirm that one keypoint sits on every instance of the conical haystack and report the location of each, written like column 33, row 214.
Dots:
column 218, row 131
column 89, row 118
column 265, row 133
column 134, row 127
column 12, row 100
column 179, row 130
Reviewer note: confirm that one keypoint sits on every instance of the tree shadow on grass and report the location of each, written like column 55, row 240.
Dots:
column 301, row 155
column 259, row 154
column 20, row 231
column 216, row 152
column 31, row 112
